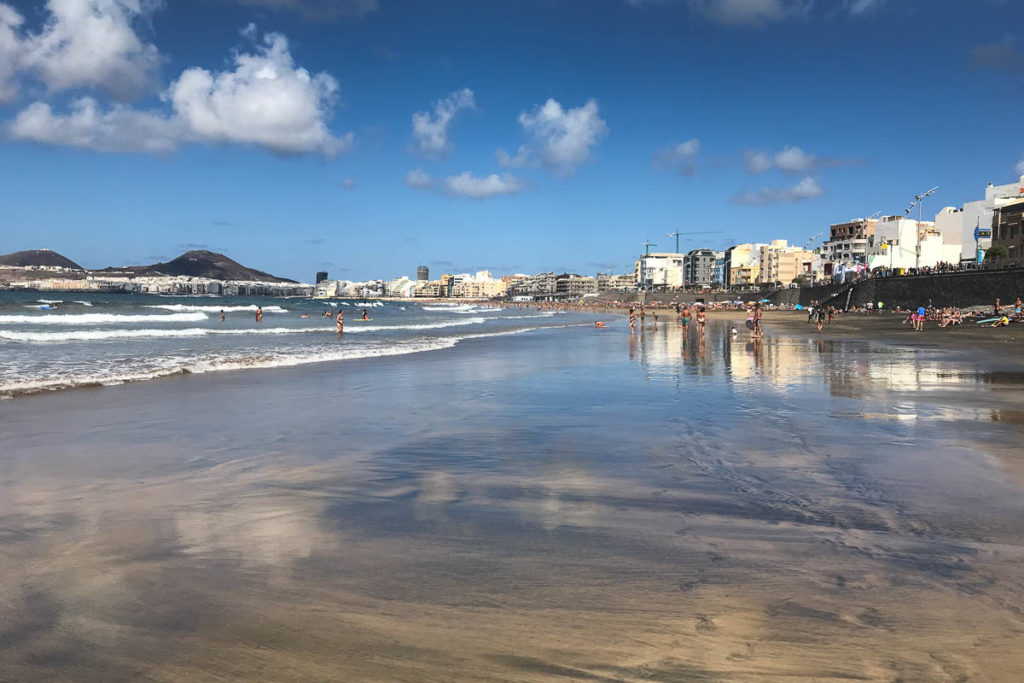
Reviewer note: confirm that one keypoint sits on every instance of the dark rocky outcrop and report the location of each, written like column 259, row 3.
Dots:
column 38, row 257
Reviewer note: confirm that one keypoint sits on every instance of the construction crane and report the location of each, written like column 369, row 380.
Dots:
column 647, row 247
column 676, row 234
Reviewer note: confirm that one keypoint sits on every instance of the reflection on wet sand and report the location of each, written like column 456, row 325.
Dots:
column 690, row 511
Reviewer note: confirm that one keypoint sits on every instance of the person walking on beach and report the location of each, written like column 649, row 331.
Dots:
column 341, row 320
column 632, row 320
column 702, row 319
column 820, row 315
column 757, row 322
column 921, row 311
column 684, row 317
column 259, row 314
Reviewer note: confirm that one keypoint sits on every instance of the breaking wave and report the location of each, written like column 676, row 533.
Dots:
column 98, row 318
column 184, row 308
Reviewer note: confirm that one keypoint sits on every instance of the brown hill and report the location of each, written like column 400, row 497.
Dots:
column 37, row 257
column 207, row 264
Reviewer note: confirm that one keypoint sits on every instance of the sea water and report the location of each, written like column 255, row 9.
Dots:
column 50, row 341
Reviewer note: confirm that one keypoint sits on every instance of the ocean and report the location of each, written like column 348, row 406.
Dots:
column 550, row 502
column 60, row 341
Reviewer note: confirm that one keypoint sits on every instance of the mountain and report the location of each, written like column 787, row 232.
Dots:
column 37, row 257
column 207, row 264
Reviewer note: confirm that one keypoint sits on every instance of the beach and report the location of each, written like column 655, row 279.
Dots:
column 558, row 503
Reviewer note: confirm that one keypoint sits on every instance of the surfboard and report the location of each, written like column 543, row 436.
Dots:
column 989, row 320
column 750, row 323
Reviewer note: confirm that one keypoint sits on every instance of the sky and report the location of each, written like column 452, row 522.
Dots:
column 368, row 137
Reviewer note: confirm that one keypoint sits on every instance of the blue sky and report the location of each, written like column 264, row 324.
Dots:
column 548, row 134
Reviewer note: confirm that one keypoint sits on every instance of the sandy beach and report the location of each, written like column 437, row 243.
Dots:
column 567, row 504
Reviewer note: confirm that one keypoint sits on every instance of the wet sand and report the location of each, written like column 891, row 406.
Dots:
column 565, row 505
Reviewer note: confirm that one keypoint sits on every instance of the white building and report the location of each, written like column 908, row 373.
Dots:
column 978, row 214
column 901, row 242
column 660, row 271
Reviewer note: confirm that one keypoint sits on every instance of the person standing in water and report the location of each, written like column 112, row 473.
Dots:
column 222, row 315
column 702, row 320
column 366, row 316
column 341, row 320
column 259, row 314
column 632, row 320
column 757, row 322
column 684, row 317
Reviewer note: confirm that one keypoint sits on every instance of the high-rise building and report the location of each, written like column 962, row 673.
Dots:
column 423, row 273
column 321, row 275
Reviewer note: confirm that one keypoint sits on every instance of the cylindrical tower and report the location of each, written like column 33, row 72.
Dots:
column 423, row 273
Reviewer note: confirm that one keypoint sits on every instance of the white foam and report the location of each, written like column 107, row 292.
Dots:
column 359, row 327
column 368, row 304
column 102, row 335
column 50, row 301
column 216, row 309
column 84, row 303
column 99, row 318
column 177, row 366
column 450, row 308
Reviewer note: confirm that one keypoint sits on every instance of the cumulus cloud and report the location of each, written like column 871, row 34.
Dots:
column 83, row 43
column 119, row 129
column 740, row 12
column 757, row 162
column 319, row 9
column 10, row 52
column 430, row 130
column 265, row 101
column 417, row 179
column 681, row 156
column 480, row 187
column 808, row 188
column 560, row 139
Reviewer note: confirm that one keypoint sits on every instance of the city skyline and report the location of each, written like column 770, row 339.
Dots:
column 560, row 135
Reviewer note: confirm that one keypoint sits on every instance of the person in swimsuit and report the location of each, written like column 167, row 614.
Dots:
column 366, row 316
column 684, row 320
column 259, row 314
column 757, row 321
column 341, row 321
column 702, row 319
column 632, row 320
column 222, row 315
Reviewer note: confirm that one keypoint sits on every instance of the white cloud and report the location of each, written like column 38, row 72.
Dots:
column 10, row 52
column 808, row 188
column 794, row 160
column 431, row 130
column 348, row 184
column 681, row 156
column 418, row 179
column 561, row 139
column 92, row 43
column 736, row 12
column 787, row 160
column 480, row 187
column 121, row 129
column 265, row 101
column 757, row 162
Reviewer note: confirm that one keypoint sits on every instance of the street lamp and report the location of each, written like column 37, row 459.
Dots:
column 919, row 202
